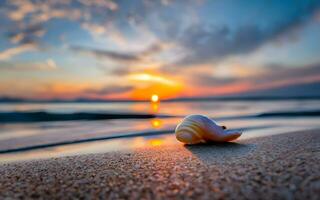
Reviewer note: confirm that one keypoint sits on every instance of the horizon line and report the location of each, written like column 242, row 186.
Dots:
column 177, row 99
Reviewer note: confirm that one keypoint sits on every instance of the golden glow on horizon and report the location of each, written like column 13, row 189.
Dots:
column 144, row 86
column 149, row 84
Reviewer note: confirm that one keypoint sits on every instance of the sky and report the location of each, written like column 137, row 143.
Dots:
column 132, row 49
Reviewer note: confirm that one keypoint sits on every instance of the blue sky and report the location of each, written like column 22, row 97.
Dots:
column 133, row 49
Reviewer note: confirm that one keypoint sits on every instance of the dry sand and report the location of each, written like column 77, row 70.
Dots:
column 285, row 166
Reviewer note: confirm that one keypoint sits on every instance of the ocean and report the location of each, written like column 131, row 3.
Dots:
column 43, row 130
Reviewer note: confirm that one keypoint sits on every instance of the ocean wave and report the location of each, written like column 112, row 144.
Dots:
column 288, row 114
column 303, row 113
column 42, row 116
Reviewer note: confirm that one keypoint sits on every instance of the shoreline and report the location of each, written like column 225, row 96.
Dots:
column 277, row 166
column 26, row 148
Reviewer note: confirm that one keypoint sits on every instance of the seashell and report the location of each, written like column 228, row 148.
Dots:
column 200, row 129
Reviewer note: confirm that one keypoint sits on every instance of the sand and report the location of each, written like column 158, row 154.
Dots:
column 285, row 166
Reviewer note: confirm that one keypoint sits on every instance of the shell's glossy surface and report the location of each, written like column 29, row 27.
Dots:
column 199, row 129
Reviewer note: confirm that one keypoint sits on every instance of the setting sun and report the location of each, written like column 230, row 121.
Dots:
column 154, row 98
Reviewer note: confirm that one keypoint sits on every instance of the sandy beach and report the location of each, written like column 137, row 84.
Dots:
column 284, row 166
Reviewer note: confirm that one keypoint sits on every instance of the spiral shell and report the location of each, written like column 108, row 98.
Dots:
column 200, row 129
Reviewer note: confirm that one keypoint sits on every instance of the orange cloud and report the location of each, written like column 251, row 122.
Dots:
column 217, row 90
column 148, row 84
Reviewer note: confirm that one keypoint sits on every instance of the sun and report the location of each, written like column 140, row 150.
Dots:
column 154, row 98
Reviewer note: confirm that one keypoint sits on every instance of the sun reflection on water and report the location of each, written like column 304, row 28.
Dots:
column 154, row 107
column 156, row 123
column 156, row 142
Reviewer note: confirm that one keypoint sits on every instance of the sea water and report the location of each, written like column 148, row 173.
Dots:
column 43, row 130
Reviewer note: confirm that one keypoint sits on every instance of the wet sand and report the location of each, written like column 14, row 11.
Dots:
column 285, row 166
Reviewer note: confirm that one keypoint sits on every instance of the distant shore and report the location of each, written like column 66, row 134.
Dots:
column 284, row 166
column 180, row 99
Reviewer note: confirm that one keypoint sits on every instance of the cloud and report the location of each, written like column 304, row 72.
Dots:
column 95, row 29
column 113, row 55
column 286, row 73
column 27, row 35
column 11, row 52
column 122, row 57
column 199, row 41
column 36, row 12
column 108, row 90
column 120, row 71
column 209, row 80
column 151, row 78
column 153, row 49
column 111, row 5
column 268, row 76
column 22, row 8
column 51, row 64
column 29, row 18
column 204, row 43
column 48, row 65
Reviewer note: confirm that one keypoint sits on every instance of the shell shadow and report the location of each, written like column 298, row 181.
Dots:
column 214, row 153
